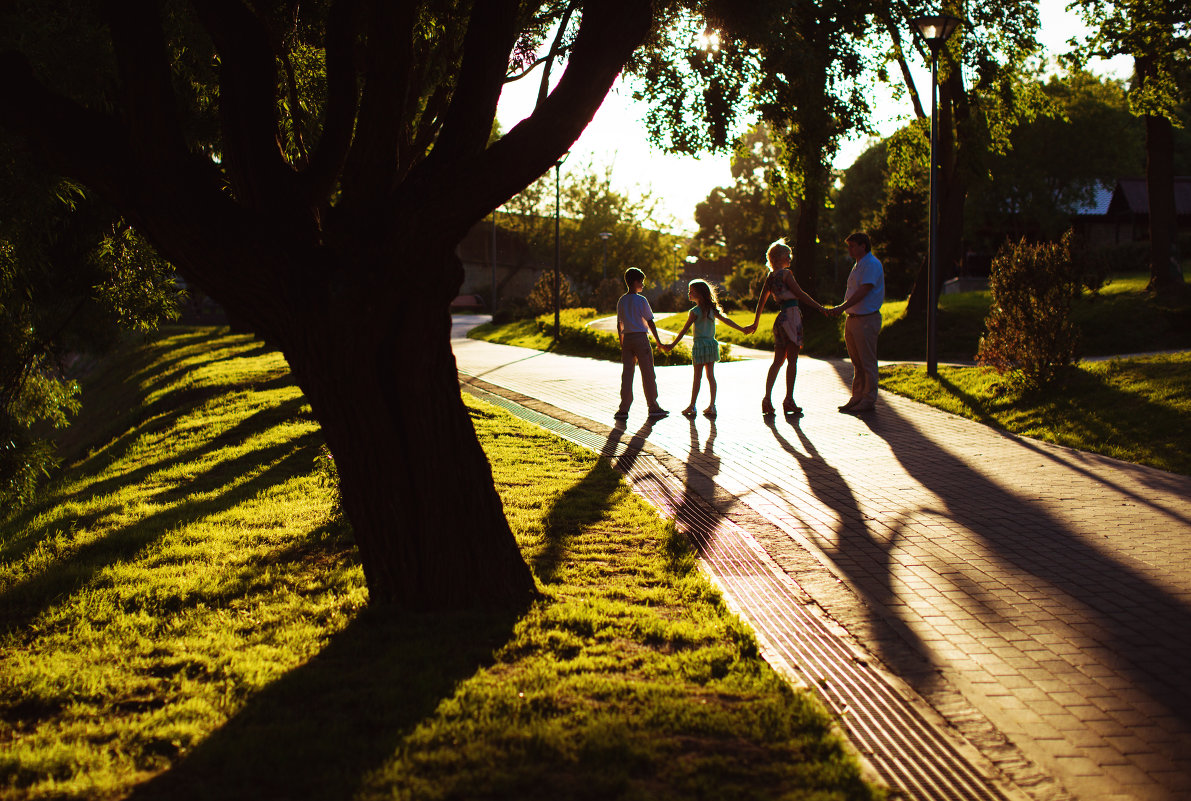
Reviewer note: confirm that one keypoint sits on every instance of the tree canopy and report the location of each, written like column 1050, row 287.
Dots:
column 312, row 168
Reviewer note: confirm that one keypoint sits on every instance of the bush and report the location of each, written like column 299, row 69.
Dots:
column 541, row 299
column 671, row 301
column 1029, row 327
column 746, row 277
column 607, row 293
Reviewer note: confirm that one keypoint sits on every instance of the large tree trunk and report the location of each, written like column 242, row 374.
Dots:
column 1160, row 191
column 953, row 193
column 416, row 485
column 344, row 259
column 805, row 247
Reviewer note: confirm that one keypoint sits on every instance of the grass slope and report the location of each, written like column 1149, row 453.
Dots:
column 1122, row 318
column 183, row 616
column 1135, row 409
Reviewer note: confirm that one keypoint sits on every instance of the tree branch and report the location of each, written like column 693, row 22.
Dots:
column 609, row 32
column 89, row 146
column 252, row 154
column 330, row 153
column 144, row 66
column 555, row 48
column 907, row 78
column 371, row 166
column 467, row 124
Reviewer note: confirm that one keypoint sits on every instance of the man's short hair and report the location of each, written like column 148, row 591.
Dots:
column 631, row 275
column 860, row 238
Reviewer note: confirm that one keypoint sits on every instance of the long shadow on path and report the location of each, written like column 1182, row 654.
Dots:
column 859, row 550
column 1106, row 608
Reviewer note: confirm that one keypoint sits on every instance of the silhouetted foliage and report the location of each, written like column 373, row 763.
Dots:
column 1029, row 327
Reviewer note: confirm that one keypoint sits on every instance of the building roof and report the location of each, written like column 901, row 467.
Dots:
column 1130, row 197
column 1096, row 205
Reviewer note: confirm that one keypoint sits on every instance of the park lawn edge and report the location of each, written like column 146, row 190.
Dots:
column 185, row 617
column 1135, row 409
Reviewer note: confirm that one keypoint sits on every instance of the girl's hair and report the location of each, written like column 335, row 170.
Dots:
column 778, row 247
column 705, row 297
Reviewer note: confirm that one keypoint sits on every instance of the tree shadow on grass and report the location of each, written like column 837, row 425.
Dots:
column 1100, row 425
column 22, row 602
column 319, row 731
column 588, row 500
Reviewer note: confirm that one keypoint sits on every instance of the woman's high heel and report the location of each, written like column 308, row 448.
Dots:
column 789, row 407
column 767, row 407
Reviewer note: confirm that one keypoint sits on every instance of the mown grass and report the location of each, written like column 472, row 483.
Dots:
column 577, row 339
column 183, row 616
column 1122, row 318
column 1136, row 409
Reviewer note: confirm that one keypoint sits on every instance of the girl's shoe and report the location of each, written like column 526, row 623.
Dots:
column 688, row 411
column 709, row 411
column 789, row 407
column 767, row 407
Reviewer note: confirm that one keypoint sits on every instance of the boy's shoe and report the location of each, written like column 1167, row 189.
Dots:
column 658, row 412
column 620, row 415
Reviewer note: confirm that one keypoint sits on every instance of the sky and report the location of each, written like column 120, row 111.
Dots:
column 616, row 136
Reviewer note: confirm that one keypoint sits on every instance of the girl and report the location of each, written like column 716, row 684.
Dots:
column 787, row 328
column 705, row 350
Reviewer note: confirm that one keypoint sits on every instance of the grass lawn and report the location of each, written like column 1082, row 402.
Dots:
column 183, row 616
column 1136, row 409
column 576, row 339
column 1122, row 318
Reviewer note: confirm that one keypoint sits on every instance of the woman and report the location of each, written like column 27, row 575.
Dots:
column 787, row 328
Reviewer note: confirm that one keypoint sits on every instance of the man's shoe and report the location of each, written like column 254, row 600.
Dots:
column 659, row 412
column 847, row 407
column 861, row 408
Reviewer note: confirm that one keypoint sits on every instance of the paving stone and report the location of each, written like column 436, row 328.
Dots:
column 1051, row 580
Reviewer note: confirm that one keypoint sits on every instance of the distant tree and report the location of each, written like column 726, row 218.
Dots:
column 740, row 221
column 1157, row 35
column 890, row 204
column 982, row 97
column 793, row 64
column 312, row 168
column 589, row 206
column 1083, row 139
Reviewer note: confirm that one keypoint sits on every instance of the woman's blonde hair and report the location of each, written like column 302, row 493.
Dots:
column 778, row 247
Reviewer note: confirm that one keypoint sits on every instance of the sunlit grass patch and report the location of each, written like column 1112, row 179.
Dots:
column 183, row 616
column 1137, row 409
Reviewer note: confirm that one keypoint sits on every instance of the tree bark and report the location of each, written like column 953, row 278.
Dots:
column 1160, row 192
column 353, row 287
column 953, row 193
column 415, row 482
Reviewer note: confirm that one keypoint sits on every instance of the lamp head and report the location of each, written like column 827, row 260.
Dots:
column 936, row 29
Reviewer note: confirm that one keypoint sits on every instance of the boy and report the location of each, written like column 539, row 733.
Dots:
column 633, row 317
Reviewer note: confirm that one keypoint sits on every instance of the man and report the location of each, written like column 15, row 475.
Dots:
column 633, row 318
column 866, row 293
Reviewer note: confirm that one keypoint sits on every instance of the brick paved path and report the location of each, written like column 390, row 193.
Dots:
column 1029, row 592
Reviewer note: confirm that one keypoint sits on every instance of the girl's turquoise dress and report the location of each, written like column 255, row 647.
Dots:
column 705, row 349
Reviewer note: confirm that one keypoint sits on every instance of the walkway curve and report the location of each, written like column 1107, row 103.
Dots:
column 1035, row 597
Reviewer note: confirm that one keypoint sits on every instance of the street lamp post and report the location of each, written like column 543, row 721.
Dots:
column 604, row 269
column 557, row 196
column 935, row 31
column 493, row 309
